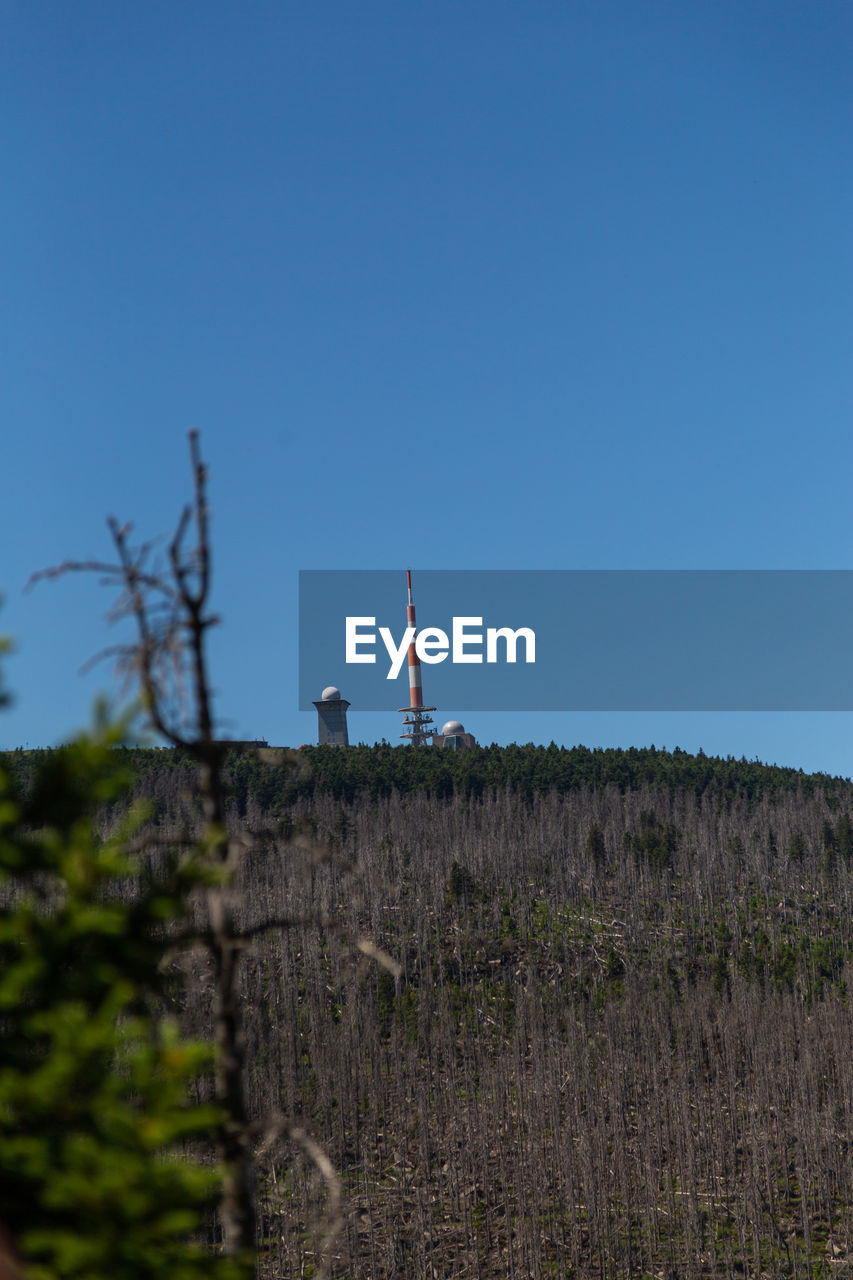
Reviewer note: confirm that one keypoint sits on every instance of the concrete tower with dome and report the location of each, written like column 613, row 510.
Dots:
column 332, row 718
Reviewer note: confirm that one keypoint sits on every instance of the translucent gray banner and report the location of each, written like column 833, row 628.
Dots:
column 603, row 640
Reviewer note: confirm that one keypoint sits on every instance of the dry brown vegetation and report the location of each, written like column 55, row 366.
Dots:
column 620, row 1044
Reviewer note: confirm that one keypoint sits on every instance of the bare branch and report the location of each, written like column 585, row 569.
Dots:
column 179, row 569
column 240, row 937
column 72, row 566
column 111, row 575
column 368, row 948
column 120, row 651
column 201, row 510
column 272, row 1129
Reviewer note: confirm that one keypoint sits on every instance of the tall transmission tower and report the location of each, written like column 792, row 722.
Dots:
column 416, row 720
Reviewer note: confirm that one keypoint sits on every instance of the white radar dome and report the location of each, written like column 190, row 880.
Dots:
column 452, row 727
column 331, row 694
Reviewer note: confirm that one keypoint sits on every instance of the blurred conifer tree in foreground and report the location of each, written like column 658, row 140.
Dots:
column 95, row 1112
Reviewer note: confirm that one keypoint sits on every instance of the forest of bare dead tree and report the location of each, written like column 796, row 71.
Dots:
column 620, row 1043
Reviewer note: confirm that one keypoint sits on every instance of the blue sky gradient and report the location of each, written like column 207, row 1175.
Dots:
column 561, row 285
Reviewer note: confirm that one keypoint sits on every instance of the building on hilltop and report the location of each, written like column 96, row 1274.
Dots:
column 332, row 718
column 453, row 735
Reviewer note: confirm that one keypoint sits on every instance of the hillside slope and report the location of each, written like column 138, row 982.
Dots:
column 621, row 1041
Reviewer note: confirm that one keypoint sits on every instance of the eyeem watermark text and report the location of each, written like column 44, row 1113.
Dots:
column 465, row 644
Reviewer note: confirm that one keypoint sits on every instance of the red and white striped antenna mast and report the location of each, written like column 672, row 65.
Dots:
column 416, row 720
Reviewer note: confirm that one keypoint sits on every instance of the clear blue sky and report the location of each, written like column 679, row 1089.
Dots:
column 546, row 285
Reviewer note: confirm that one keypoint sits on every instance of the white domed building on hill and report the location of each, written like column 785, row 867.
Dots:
column 332, row 718
column 453, row 735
